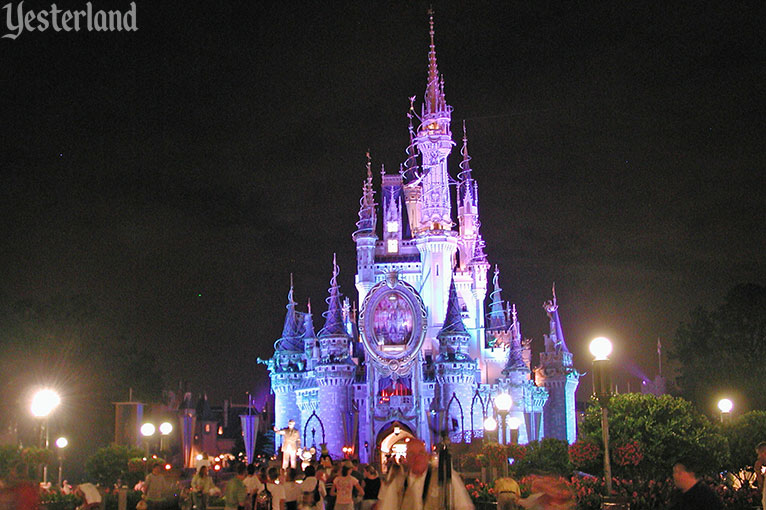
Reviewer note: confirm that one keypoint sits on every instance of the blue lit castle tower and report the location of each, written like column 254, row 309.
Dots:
column 424, row 356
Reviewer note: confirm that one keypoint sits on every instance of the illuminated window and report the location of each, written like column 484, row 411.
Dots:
column 220, row 431
column 207, row 428
column 393, row 246
column 392, row 226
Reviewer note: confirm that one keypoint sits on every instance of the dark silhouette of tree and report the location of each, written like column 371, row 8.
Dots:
column 722, row 352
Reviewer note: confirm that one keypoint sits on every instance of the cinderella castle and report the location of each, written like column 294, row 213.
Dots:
column 425, row 354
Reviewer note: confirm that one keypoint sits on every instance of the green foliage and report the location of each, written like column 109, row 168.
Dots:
column 35, row 456
column 9, row 455
column 110, row 463
column 547, row 455
column 58, row 501
column 722, row 351
column 667, row 428
column 743, row 434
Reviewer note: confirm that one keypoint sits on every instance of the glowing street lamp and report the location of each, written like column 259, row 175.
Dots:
column 601, row 348
column 147, row 430
column 165, row 429
column 490, row 427
column 725, row 406
column 43, row 404
column 503, row 403
column 61, row 443
column 514, row 423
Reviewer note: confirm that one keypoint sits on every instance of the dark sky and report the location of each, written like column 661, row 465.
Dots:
column 178, row 174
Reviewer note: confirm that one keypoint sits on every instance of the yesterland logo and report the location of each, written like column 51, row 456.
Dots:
column 17, row 20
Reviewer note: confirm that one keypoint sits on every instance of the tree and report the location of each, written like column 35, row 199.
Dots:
column 549, row 455
column 722, row 351
column 743, row 434
column 110, row 464
column 666, row 428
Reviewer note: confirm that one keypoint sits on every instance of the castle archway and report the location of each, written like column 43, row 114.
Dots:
column 392, row 443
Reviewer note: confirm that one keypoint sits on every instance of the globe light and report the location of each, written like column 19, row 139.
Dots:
column 504, row 402
column 62, row 442
column 600, row 347
column 44, row 402
column 147, row 430
column 514, row 422
column 166, row 428
column 490, row 424
column 725, row 405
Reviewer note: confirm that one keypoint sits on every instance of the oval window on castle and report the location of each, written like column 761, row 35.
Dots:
column 392, row 322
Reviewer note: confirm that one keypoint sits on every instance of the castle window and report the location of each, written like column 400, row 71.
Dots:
column 392, row 246
column 392, row 226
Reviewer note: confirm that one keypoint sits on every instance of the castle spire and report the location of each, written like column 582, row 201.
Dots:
column 555, row 341
column 465, row 166
column 308, row 321
column 497, row 317
column 453, row 322
column 291, row 331
column 334, row 315
column 367, row 214
column 434, row 98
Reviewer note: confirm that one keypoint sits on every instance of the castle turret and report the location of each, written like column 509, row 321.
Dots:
column 557, row 374
column 287, row 367
column 365, row 237
column 434, row 140
column 456, row 374
column 334, row 373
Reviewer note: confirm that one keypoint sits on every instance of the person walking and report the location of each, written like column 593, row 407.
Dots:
column 371, row 486
column 343, row 489
column 201, row 485
column 760, row 471
column 313, row 491
column 695, row 494
column 236, row 492
column 155, row 487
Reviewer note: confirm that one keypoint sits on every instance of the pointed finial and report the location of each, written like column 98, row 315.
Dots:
column 369, row 165
column 554, row 293
column 513, row 312
column 335, row 269
column 308, row 305
column 382, row 170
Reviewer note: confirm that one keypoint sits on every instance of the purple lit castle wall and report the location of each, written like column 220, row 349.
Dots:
column 426, row 355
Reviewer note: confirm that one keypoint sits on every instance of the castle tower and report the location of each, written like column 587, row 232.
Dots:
column 288, row 366
column 435, row 241
column 365, row 237
column 393, row 227
column 456, row 374
column 334, row 373
column 207, row 426
column 557, row 374
column 472, row 259
column 434, row 141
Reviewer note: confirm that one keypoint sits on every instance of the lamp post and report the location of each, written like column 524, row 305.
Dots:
column 503, row 403
column 514, row 423
column 725, row 406
column 61, row 443
column 601, row 348
column 490, row 427
column 43, row 404
column 165, row 429
column 147, row 430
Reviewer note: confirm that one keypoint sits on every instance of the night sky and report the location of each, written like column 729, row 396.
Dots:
column 179, row 174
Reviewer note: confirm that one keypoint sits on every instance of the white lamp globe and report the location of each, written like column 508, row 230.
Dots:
column 514, row 422
column 504, row 402
column 490, row 424
column 165, row 428
column 601, row 347
column 147, row 429
column 62, row 442
column 44, row 402
column 725, row 405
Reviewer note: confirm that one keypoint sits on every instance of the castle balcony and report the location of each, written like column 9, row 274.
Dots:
column 400, row 405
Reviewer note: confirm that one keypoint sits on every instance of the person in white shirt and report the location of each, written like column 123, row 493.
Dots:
column 311, row 487
column 277, row 490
